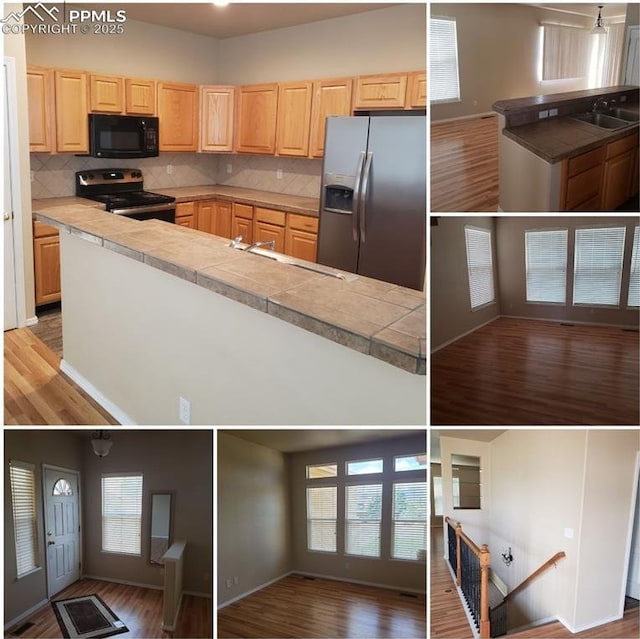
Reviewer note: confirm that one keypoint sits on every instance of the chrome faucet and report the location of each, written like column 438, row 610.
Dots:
column 600, row 102
column 271, row 244
column 235, row 241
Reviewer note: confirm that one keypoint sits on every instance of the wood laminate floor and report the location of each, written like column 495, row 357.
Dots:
column 36, row 392
column 49, row 327
column 139, row 608
column 525, row 372
column 464, row 165
column 298, row 607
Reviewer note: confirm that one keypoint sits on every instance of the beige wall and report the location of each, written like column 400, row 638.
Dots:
column 451, row 314
column 498, row 49
column 57, row 448
column 253, row 516
column 512, row 270
column 389, row 39
column 383, row 571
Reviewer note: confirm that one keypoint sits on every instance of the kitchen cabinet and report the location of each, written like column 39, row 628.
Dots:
column 40, row 94
column 216, row 118
column 72, row 129
column 618, row 172
column 269, row 226
column 106, row 94
column 380, row 91
column 185, row 214
column 417, row 91
column 301, row 237
column 330, row 97
column 178, row 113
column 635, row 175
column 582, row 181
column 256, row 114
column 140, row 96
column 294, row 118
column 46, row 263
column 204, row 216
column 242, row 222
column 221, row 225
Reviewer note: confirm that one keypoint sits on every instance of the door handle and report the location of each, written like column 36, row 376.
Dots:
column 7, row 217
column 356, row 197
column 51, row 543
column 363, row 196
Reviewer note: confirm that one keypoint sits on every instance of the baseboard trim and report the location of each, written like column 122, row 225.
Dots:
column 555, row 320
column 12, row 622
column 535, row 624
column 455, row 339
column 359, row 582
column 473, row 116
column 123, row 582
column 589, row 626
column 31, row 321
column 115, row 411
column 250, row 592
column 498, row 583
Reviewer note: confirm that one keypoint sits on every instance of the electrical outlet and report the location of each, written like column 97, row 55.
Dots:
column 227, row 583
column 229, row 168
column 543, row 114
column 278, row 174
column 184, row 410
column 568, row 533
column 553, row 112
column 623, row 98
column 169, row 169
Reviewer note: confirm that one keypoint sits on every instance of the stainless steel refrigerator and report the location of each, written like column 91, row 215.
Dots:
column 373, row 198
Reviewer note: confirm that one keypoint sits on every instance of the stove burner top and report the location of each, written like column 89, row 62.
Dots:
column 130, row 199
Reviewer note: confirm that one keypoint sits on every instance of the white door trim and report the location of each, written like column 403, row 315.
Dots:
column 632, row 508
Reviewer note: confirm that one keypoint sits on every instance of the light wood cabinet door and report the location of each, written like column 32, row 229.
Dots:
column 140, row 96
column 41, row 110
column 106, row 94
column 243, row 227
column 72, row 125
column 616, row 181
column 216, row 118
column 330, row 97
column 205, row 216
column 185, row 214
column 256, row 113
column 222, row 225
column 380, row 92
column 178, row 113
column 265, row 232
column 46, row 262
column 185, row 220
column 635, row 176
column 294, row 118
column 417, row 91
column 301, row 244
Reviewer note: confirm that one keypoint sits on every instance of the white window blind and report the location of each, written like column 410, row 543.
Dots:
column 321, row 518
column 444, row 85
column 364, row 512
column 634, row 278
column 565, row 51
column 609, row 56
column 23, row 503
column 546, row 259
column 121, row 513
column 409, row 534
column 479, row 266
column 598, row 266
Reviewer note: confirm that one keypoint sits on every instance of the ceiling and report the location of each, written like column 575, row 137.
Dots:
column 239, row 18
column 477, row 435
column 295, row 441
column 589, row 9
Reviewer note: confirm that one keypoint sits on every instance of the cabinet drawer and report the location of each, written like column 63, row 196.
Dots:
column 584, row 186
column 43, row 230
column 243, row 210
column 585, row 161
column 270, row 216
column 620, row 146
column 303, row 222
column 185, row 208
column 592, row 204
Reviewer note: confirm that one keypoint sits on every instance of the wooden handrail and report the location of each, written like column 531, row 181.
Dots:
column 533, row 575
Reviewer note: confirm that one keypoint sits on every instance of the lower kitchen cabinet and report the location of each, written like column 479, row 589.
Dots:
column 204, row 219
column 221, row 225
column 269, row 226
column 242, row 222
column 46, row 262
column 185, row 214
column 301, row 237
column 618, row 178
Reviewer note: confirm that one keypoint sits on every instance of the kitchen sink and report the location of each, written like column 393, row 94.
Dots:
column 600, row 120
column 630, row 115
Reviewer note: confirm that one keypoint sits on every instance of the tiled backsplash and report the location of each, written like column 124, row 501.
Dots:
column 54, row 175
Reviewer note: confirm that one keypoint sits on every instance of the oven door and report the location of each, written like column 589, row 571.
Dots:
column 165, row 212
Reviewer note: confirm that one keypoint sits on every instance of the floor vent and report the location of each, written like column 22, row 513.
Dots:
column 22, row 629
column 412, row 595
column 566, row 324
column 308, row 578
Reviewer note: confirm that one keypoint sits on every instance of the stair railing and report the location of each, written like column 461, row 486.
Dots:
column 550, row 562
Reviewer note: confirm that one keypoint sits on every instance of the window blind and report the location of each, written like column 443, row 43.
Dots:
column 634, row 278
column 121, row 513
column 409, row 533
column 23, row 503
column 546, row 259
column 598, row 266
column 565, row 52
column 444, row 85
column 364, row 512
column 479, row 266
column 321, row 518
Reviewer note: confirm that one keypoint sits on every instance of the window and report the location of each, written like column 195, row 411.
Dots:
column 410, row 462
column 121, row 513
column 479, row 266
column 565, row 52
column 444, row 85
column 634, row 278
column 364, row 512
column 62, row 487
column 321, row 518
column 366, row 467
column 409, row 534
column 598, row 266
column 23, row 503
column 324, row 470
column 546, row 259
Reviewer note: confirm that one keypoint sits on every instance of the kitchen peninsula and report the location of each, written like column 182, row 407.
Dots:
column 551, row 161
column 159, row 312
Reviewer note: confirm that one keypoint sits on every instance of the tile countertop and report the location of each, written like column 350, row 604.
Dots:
column 382, row 320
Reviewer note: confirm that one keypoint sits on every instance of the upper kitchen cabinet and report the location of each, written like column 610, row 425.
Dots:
column 330, row 97
column 72, row 130
column 417, row 91
column 178, row 113
column 216, row 118
column 140, row 96
column 256, row 113
column 380, row 92
column 106, row 94
column 294, row 118
column 41, row 108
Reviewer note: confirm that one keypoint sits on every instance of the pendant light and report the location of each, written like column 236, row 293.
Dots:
column 101, row 442
column 599, row 26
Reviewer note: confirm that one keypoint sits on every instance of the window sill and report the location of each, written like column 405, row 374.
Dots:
column 27, row 574
column 120, row 554
column 483, row 306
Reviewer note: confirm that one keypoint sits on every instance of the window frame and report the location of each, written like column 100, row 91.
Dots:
column 454, row 49
column 310, row 519
column 330, row 477
column 36, row 563
column 635, row 261
column 424, row 522
column 410, row 470
column 121, row 552
column 347, row 520
column 489, row 232
column 360, row 461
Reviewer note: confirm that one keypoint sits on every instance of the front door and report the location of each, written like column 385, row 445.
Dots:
column 62, row 531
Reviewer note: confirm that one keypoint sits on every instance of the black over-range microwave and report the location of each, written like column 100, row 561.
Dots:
column 123, row 136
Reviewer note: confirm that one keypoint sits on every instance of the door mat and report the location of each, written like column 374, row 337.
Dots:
column 87, row 617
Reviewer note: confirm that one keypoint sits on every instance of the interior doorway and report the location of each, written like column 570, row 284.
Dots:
column 633, row 575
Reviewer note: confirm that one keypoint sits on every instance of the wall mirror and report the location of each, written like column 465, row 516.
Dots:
column 467, row 482
column 161, row 526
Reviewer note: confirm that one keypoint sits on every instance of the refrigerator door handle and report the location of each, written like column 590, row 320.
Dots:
column 363, row 196
column 356, row 197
